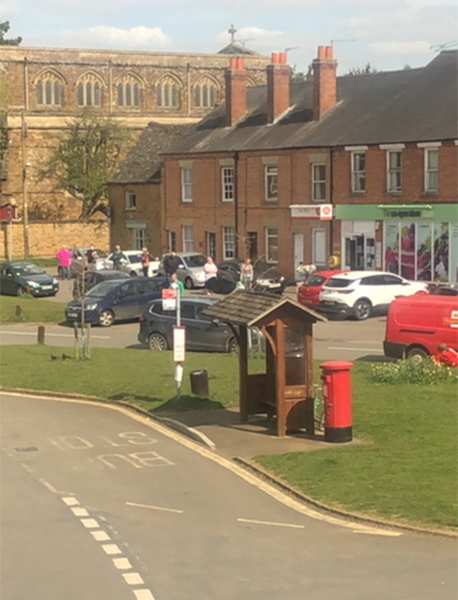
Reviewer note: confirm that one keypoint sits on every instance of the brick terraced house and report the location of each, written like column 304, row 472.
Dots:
column 360, row 167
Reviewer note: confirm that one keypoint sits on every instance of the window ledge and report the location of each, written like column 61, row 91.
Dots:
column 130, row 209
column 429, row 193
column 357, row 194
column 393, row 193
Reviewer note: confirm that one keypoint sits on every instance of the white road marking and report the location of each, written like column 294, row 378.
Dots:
column 133, row 578
column 143, row 595
column 100, row 536
column 172, row 510
column 90, row 523
column 80, row 512
column 122, row 563
column 52, row 489
column 111, row 549
column 27, row 467
column 64, row 335
column 70, row 501
column 271, row 523
column 355, row 349
column 385, row 532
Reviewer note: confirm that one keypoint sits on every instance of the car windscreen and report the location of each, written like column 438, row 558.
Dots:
column 102, row 288
column 23, row 270
column 335, row 282
column 134, row 258
column 196, row 260
column 315, row 281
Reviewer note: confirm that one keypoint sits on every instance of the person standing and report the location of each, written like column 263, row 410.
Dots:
column 176, row 284
column 90, row 254
column 171, row 263
column 64, row 258
column 210, row 270
column 246, row 274
column 118, row 257
column 145, row 262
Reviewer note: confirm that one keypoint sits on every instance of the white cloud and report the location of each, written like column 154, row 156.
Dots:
column 8, row 9
column 102, row 36
column 397, row 47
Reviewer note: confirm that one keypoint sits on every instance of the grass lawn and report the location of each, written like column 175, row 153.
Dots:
column 34, row 310
column 45, row 263
column 406, row 470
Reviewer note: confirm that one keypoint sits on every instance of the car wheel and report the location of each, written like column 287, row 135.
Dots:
column 106, row 318
column 157, row 342
column 188, row 283
column 362, row 309
column 233, row 346
column 416, row 353
column 133, row 274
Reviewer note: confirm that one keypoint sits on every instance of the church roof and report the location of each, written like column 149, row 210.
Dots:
column 237, row 48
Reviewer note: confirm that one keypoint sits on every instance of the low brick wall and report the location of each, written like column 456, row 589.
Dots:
column 45, row 239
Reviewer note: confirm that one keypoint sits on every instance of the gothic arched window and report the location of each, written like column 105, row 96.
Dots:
column 168, row 92
column 49, row 89
column 128, row 92
column 205, row 93
column 89, row 90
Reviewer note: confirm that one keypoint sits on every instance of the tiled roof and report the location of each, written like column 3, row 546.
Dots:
column 143, row 164
column 412, row 105
column 247, row 308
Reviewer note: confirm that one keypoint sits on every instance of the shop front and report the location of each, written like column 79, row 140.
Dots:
column 418, row 242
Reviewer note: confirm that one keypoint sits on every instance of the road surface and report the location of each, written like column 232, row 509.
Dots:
column 98, row 504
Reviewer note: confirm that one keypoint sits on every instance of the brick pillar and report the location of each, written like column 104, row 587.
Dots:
column 236, row 94
column 278, row 87
column 324, row 82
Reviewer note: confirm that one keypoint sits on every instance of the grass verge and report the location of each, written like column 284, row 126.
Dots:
column 406, row 470
column 33, row 310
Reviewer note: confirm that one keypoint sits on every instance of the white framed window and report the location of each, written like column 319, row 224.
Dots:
column 227, row 177
column 318, row 182
column 271, row 183
column 271, row 245
column 431, row 169
column 394, row 171
column 138, row 238
column 131, row 200
column 228, row 243
column 188, row 238
column 358, row 172
column 186, row 184
column 172, row 241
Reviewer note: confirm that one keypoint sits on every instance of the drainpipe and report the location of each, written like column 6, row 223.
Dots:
column 331, row 200
column 236, row 204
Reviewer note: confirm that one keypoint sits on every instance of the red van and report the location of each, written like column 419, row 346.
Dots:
column 416, row 325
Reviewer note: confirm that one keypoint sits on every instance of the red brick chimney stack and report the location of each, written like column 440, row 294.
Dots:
column 236, row 95
column 278, row 86
column 324, row 82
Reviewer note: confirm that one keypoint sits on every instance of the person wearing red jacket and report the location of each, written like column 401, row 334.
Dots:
column 446, row 356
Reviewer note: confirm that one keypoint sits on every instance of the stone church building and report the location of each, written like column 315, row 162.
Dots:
column 44, row 88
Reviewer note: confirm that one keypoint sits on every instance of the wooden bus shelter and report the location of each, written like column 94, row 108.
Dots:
column 285, row 390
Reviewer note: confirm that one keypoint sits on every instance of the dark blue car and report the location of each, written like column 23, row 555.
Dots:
column 116, row 300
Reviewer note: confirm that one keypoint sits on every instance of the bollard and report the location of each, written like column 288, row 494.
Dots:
column 41, row 334
column 18, row 310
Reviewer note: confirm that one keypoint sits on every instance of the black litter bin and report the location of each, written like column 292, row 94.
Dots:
column 199, row 383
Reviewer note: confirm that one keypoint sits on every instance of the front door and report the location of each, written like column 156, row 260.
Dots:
column 211, row 244
column 253, row 245
column 298, row 253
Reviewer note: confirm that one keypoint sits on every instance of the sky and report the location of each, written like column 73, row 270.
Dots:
column 388, row 34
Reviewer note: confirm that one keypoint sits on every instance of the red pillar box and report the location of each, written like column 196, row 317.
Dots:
column 337, row 401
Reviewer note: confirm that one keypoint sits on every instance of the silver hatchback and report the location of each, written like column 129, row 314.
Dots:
column 190, row 268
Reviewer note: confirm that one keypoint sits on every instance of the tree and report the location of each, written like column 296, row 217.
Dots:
column 300, row 76
column 368, row 69
column 85, row 159
column 4, row 28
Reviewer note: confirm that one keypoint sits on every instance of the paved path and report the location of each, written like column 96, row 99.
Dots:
column 101, row 505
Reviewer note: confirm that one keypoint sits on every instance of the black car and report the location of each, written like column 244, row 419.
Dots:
column 116, row 299
column 202, row 332
column 19, row 277
column 90, row 279
column 265, row 277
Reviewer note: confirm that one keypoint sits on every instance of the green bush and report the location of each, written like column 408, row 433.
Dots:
column 419, row 372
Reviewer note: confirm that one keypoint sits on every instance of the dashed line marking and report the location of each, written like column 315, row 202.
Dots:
column 143, row 595
column 27, row 467
column 111, row 549
column 90, row 523
column 172, row 510
column 291, row 525
column 100, row 536
column 133, row 578
column 79, row 512
column 122, row 563
column 70, row 501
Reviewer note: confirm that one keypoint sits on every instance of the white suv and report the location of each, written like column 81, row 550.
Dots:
column 363, row 293
column 133, row 266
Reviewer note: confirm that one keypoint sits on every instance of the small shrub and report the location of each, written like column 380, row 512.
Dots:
column 423, row 372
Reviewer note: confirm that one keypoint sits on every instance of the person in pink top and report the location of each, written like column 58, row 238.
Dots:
column 64, row 258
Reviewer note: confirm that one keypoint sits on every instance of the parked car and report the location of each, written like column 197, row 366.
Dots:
column 202, row 332
column 265, row 277
column 190, row 269
column 308, row 293
column 133, row 265
column 79, row 260
column 20, row 277
column 116, row 299
column 91, row 278
column 364, row 293
column 443, row 289
column 416, row 326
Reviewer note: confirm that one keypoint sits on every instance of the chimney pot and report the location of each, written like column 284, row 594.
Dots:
column 329, row 52
column 240, row 64
column 282, row 58
column 274, row 58
column 321, row 52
